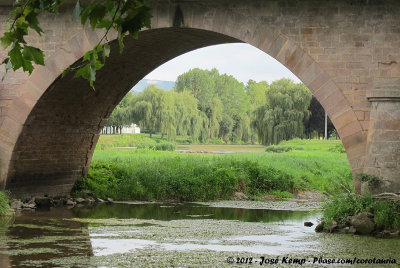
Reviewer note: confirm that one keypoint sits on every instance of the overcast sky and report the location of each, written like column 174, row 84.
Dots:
column 242, row 61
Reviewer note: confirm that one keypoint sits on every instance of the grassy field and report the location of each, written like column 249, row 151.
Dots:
column 154, row 175
column 133, row 140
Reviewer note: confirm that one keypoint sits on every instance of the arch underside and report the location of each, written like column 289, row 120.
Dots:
column 57, row 141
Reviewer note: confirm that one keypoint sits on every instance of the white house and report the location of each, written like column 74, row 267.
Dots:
column 132, row 129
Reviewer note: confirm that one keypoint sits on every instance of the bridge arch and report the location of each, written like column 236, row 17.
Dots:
column 56, row 121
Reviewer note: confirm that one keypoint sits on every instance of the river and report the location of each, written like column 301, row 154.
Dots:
column 149, row 234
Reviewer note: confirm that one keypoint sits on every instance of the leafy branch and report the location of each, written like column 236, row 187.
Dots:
column 127, row 17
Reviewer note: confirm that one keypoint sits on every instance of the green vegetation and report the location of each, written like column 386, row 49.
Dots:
column 210, row 107
column 4, row 207
column 284, row 113
column 165, row 146
column 140, row 141
column 154, row 175
column 386, row 212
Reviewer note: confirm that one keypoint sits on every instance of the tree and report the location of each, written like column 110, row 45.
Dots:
column 257, row 95
column 256, row 92
column 283, row 115
column 121, row 116
column 187, row 115
column 236, row 105
column 147, row 109
column 127, row 17
column 221, row 98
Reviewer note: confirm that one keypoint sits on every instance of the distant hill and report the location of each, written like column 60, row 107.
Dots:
column 144, row 83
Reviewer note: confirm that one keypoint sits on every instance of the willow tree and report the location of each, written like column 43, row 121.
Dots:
column 148, row 108
column 236, row 104
column 187, row 115
column 121, row 116
column 283, row 115
column 256, row 91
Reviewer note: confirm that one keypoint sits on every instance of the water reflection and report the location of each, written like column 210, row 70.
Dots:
column 181, row 211
column 44, row 237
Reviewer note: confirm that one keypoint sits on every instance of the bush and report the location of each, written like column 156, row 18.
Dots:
column 386, row 212
column 103, row 181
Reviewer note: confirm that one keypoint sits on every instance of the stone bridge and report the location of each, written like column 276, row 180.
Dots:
column 347, row 52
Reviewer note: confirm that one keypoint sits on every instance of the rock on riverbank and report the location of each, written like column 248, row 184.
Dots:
column 362, row 224
column 42, row 201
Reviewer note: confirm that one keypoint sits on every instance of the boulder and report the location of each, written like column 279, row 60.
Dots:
column 320, row 227
column 70, row 202
column 42, row 201
column 89, row 200
column 333, row 226
column 352, row 230
column 110, row 200
column 363, row 223
column 308, row 223
column 16, row 205
column 80, row 200
column 29, row 205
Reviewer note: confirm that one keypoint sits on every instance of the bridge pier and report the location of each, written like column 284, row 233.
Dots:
column 383, row 141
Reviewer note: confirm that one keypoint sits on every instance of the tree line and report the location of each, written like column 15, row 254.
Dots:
column 208, row 106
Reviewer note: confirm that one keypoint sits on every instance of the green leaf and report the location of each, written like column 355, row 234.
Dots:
column 65, row 72
column 106, row 50
column 83, row 72
column 97, row 14
column 7, row 39
column 92, row 73
column 33, row 22
column 33, row 54
column 121, row 40
column 16, row 57
column 104, row 23
column 87, row 55
column 77, row 11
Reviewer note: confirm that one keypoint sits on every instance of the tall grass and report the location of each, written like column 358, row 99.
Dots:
column 4, row 207
column 153, row 175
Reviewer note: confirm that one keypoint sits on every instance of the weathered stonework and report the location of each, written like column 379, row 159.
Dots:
column 383, row 150
column 341, row 50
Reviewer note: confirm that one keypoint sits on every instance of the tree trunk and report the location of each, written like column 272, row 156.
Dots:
column 151, row 134
column 162, row 136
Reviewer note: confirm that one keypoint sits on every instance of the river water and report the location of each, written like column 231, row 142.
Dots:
column 184, row 235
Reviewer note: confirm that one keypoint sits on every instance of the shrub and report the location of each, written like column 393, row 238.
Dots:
column 386, row 212
column 102, row 182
